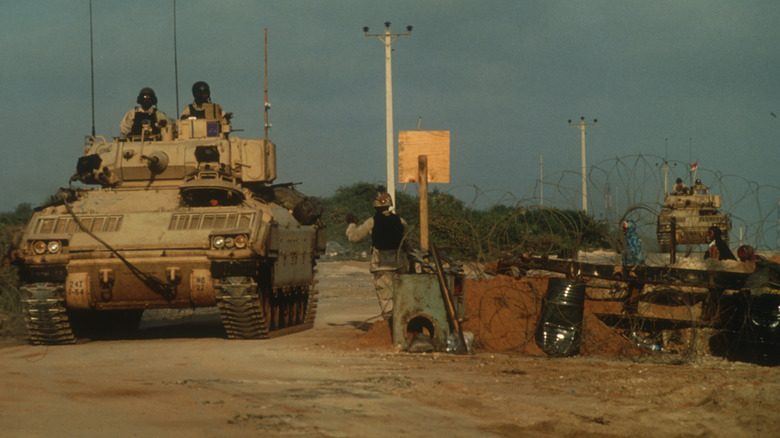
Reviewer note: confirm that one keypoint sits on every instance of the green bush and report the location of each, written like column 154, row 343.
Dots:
column 9, row 292
column 473, row 234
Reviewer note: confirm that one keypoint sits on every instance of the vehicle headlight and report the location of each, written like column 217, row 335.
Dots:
column 39, row 247
column 54, row 247
column 226, row 242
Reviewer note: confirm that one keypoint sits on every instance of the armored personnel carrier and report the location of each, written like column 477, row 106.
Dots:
column 184, row 218
column 690, row 216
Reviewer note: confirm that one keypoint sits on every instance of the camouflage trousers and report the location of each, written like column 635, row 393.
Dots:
column 383, row 283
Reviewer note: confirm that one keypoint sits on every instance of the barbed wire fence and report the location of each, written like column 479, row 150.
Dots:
column 624, row 187
column 633, row 187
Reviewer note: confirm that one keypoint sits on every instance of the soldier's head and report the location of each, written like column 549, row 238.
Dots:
column 383, row 201
column 714, row 233
column 746, row 252
column 146, row 98
column 201, row 92
column 679, row 181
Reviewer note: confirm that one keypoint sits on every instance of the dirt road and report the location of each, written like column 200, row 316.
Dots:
column 184, row 379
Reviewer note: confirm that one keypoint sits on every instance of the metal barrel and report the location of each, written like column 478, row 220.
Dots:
column 761, row 331
column 559, row 330
column 749, row 329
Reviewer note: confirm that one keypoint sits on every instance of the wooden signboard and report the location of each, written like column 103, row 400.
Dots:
column 433, row 144
column 423, row 157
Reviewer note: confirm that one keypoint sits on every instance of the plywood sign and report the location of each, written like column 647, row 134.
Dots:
column 434, row 144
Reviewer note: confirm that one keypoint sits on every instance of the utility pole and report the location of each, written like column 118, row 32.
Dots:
column 583, row 126
column 665, row 166
column 541, row 182
column 387, row 38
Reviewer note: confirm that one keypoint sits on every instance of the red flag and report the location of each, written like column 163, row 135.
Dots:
column 695, row 165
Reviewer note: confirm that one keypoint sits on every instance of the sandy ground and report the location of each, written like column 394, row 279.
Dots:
column 344, row 379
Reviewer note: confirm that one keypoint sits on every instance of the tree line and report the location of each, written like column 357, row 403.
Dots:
column 9, row 222
column 474, row 234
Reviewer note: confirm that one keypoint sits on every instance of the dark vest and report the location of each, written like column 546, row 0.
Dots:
column 388, row 231
column 138, row 122
column 198, row 114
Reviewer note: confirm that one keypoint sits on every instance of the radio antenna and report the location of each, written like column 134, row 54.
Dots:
column 266, row 104
column 175, row 59
column 92, row 67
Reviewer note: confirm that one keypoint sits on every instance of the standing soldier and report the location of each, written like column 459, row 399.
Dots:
column 388, row 257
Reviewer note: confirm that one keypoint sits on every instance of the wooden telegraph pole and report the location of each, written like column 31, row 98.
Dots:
column 422, row 166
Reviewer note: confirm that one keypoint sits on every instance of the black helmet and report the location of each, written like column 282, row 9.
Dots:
column 146, row 94
column 698, row 181
column 199, row 89
column 679, row 180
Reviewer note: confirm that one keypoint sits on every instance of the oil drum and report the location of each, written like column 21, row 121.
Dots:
column 559, row 330
column 750, row 330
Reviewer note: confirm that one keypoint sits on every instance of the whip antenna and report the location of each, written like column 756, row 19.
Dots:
column 175, row 59
column 266, row 104
column 92, row 67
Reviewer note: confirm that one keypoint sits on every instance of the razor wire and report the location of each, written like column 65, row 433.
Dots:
column 622, row 187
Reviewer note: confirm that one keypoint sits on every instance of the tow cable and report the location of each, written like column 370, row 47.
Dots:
column 166, row 289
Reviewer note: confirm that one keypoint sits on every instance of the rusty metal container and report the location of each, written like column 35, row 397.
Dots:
column 418, row 308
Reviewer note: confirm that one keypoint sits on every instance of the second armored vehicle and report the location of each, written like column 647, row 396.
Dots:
column 685, row 219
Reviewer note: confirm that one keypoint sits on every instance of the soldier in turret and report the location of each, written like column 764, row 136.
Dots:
column 680, row 188
column 202, row 107
column 699, row 188
column 147, row 113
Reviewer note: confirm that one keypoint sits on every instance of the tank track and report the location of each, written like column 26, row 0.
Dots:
column 311, row 305
column 252, row 312
column 246, row 312
column 240, row 307
column 45, row 314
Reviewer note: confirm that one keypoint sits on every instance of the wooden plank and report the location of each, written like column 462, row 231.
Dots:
column 434, row 144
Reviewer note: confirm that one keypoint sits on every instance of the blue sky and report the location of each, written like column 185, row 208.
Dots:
column 688, row 81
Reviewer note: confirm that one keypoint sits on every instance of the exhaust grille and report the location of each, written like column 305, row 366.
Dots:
column 95, row 224
column 210, row 221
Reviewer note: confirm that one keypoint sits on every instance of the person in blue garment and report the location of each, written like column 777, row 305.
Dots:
column 632, row 254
